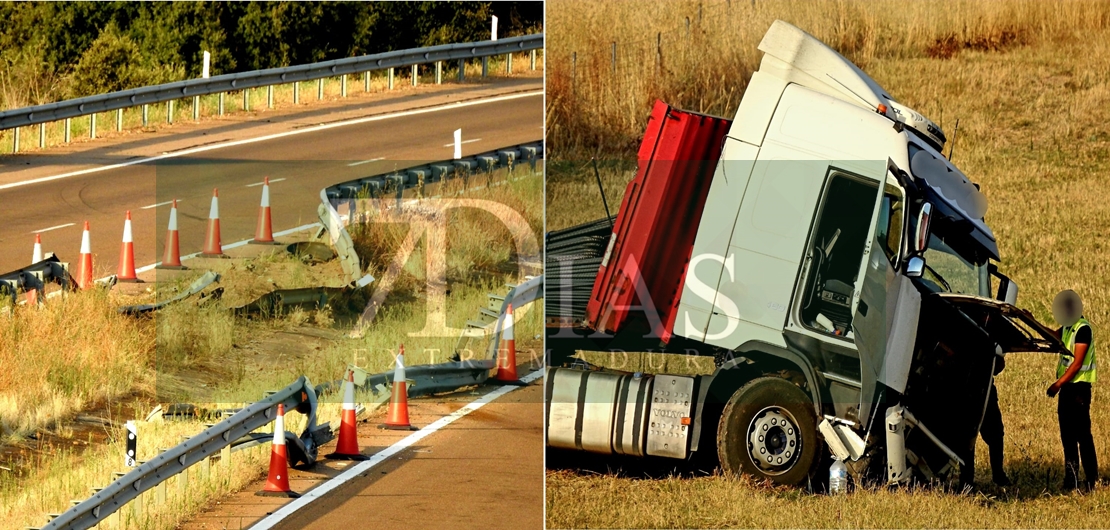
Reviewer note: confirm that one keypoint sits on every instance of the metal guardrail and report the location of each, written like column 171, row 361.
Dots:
column 445, row 377
column 398, row 180
column 35, row 276
column 300, row 396
column 274, row 76
column 442, row 377
column 525, row 293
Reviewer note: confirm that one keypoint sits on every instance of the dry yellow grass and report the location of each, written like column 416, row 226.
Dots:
column 1033, row 461
column 596, row 108
column 65, row 476
column 1030, row 84
column 480, row 260
column 72, row 352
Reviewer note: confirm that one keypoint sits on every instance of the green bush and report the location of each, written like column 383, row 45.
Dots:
column 115, row 62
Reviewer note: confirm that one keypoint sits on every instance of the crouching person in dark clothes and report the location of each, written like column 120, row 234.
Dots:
column 992, row 432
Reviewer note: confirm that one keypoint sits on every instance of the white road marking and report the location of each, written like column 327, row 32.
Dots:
column 353, row 164
column 452, row 144
column 263, row 182
column 52, row 228
column 308, row 497
column 159, row 204
column 213, row 147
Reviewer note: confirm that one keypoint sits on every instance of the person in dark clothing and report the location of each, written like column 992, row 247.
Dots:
column 992, row 432
column 1075, row 373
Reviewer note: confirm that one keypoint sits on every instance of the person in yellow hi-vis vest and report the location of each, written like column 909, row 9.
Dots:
column 1075, row 373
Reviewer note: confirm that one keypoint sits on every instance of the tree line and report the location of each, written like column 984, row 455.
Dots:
column 51, row 51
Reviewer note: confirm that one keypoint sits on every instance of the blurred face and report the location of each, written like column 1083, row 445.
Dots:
column 1067, row 308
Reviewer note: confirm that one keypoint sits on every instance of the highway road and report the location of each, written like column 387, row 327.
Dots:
column 53, row 193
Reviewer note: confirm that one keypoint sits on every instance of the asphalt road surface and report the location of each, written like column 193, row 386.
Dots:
column 484, row 470
column 303, row 158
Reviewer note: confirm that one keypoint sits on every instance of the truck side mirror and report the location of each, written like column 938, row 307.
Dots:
column 921, row 237
column 915, row 267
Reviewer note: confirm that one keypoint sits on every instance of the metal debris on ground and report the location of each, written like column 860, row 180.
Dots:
column 197, row 286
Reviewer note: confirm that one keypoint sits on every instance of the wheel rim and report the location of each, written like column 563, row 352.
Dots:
column 774, row 442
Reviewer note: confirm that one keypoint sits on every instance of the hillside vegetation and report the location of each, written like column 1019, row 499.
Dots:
column 1030, row 85
column 51, row 51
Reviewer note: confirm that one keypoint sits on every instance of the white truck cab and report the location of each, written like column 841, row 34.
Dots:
column 839, row 271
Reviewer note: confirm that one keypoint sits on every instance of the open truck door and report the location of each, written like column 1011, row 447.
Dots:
column 885, row 313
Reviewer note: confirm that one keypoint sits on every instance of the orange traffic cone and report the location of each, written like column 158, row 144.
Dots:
column 127, row 254
column 212, row 246
column 85, row 266
column 506, row 357
column 277, row 483
column 398, row 417
column 37, row 255
column 172, row 258
column 264, row 234
column 347, row 447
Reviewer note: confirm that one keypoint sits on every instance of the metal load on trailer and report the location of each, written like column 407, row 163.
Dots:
column 645, row 263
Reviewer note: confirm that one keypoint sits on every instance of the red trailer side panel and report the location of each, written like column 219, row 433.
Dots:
column 644, row 268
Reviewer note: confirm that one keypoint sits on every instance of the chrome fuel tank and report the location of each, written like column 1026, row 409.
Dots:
column 604, row 412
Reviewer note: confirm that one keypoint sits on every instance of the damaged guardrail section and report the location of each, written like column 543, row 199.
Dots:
column 427, row 379
column 34, row 277
column 300, row 396
column 397, row 181
column 237, row 430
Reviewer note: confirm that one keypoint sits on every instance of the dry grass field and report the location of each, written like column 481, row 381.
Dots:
column 1030, row 84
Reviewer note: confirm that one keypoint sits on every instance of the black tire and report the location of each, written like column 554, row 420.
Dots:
column 752, row 423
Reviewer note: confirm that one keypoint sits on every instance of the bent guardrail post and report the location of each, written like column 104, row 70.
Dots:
column 198, row 285
column 299, row 396
column 525, row 293
column 341, row 241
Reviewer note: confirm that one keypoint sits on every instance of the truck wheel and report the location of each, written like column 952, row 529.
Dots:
column 768, row 430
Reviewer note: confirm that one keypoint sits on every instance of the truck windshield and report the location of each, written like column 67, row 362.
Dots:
column 947, row 270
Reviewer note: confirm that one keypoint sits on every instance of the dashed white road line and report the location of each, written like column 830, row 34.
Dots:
column 452, row 144
column 361, row 162
column 159, row 204
column 311, row 495
column 321, row 127
column 52, row 228
column 263, row 182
